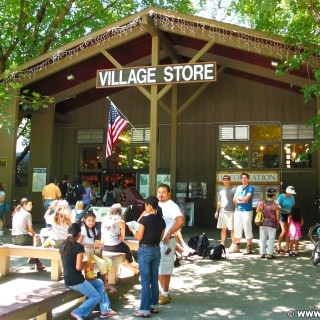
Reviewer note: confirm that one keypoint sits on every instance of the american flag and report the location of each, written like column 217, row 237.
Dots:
column 115, row 126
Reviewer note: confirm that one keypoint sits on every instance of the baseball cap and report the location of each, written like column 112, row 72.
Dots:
column 290, row 190
column 271, row 190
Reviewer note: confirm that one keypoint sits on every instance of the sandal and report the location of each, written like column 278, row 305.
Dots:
column 154, row 310
column 40, row 266
column 108, row 314
column 270, row 256
column 111, row 290
column 141, row 315
column 74, row 316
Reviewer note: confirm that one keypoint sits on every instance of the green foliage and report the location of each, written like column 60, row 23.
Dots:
column 30, row 28
column 298, row 21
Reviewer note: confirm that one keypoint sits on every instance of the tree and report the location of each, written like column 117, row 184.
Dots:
column 298, row 21
column 30, row 28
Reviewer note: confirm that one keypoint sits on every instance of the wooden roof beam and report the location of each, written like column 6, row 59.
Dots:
column 197, row 93
column 249, row 68
column 164, row 41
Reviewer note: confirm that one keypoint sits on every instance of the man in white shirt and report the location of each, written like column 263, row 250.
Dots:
column 174, row 221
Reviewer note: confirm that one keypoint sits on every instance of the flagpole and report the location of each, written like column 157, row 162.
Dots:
column 121, row 113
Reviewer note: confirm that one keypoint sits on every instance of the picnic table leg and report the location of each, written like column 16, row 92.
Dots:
column 45, row 316
column 56, row 273
column 4, row 265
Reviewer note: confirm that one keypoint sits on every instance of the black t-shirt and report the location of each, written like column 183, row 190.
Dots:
column 153, row 227
column 63, row 185
column 71, row 275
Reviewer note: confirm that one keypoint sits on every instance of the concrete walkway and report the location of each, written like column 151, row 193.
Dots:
column 239, row 287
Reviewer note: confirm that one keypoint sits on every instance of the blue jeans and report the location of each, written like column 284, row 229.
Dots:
column 95, row 291
column 149, row 259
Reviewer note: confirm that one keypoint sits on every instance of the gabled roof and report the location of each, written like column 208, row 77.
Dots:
column 239, row 51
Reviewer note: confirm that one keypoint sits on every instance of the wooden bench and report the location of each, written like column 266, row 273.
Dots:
column 38, row 303
column 133, row 244
column 11, row 250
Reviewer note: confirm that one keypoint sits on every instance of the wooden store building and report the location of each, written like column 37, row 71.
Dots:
column 202, row 99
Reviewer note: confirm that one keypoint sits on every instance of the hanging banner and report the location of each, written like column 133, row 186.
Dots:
column 163, row 74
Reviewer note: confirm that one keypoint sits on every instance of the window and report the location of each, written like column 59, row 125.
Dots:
column 131, row 150
column 234, row 156
column 265, row 156
column 237, row 132
column 263, row 150
column 90, row 136
column 295, row 156
column 91, row 157
column 297, row 132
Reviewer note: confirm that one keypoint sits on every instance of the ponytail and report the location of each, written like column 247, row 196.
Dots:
column 71, row 240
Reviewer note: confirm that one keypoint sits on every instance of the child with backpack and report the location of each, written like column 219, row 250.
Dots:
column 76, row 213
column 88, row 238
column 295, row 222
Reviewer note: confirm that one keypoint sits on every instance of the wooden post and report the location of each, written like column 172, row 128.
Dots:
column 8, row 147
column 173, row 147
column 153, row 122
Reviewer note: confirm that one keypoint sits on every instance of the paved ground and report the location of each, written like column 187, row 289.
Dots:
column 239, row 287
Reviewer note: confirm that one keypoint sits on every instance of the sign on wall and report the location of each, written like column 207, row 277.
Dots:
column 39, row 179
column 162, row 74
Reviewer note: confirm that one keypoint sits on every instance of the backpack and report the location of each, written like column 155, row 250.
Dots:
column 203, row 244
column 214, row 252
column 72, row 194
column 193, row 242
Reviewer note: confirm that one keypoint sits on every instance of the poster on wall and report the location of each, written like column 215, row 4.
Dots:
column 182, row 190
column 39, row 179
column 257, row 196
column 197, row 190
column 144, row 183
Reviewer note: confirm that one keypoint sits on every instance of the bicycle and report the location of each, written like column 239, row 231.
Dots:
column 314, row 233
column 314, row 236
column 315, row 257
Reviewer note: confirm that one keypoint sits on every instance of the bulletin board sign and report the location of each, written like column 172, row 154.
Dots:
column 39, row 179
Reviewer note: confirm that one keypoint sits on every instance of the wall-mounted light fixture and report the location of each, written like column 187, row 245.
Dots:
column 70, row 77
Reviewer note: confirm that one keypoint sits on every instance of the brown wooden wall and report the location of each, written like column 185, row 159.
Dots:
column 230, row 99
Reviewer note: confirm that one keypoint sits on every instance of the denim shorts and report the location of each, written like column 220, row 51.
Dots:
column 283, row 217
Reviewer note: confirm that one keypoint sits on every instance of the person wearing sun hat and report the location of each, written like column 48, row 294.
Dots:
column 286, row 201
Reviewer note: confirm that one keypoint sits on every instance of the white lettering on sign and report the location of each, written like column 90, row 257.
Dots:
column 201, row 72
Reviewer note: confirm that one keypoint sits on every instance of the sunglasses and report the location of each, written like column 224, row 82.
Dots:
column 226, row 178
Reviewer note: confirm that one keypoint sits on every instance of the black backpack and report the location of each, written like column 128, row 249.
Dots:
column 203, row 244
column 214, row 252
column 72, row 194
column 193, row 242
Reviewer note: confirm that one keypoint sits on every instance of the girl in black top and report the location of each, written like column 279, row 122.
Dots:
column 72, row 260
column 149, row 234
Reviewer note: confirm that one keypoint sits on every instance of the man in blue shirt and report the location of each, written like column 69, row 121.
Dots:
column 243, row 214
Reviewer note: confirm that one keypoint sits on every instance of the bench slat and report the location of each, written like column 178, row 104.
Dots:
column 39, row 302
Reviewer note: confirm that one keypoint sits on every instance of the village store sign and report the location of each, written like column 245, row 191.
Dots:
column 164, row 74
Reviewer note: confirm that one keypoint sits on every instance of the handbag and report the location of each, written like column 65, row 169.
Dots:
column 259, row 219
column 6, row 206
